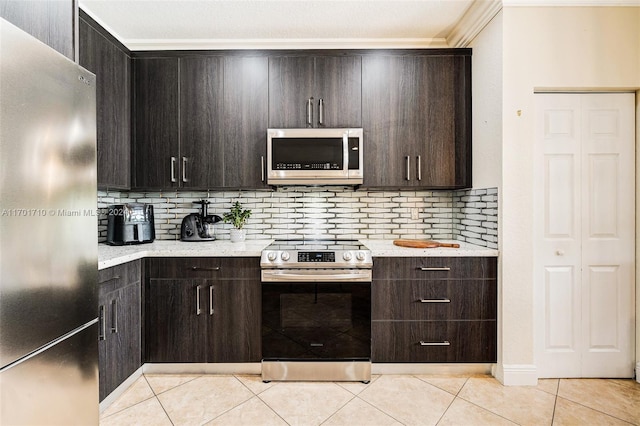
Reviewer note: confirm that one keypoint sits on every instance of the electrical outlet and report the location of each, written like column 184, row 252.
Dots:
column 415, row 213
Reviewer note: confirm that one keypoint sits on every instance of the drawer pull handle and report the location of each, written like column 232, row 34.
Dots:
column 117, row 277
column 211, row 300
column 445, row 268
column 103, row 326
column 197, row 268
column 445, row 343
column 443, row 300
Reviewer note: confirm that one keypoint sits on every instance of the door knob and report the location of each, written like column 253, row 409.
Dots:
column 559, row 252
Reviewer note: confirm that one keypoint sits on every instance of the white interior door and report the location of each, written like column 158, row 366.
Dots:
column 584, row 235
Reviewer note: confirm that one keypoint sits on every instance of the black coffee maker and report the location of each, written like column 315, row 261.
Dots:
column 199, row 226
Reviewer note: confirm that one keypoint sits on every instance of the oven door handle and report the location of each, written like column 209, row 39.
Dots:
column 270, row 276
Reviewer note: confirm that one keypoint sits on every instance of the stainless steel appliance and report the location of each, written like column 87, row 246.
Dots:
column 131, row 223
column 316, row 310
column 199, row 226
column 314, row 156
column 48, row 236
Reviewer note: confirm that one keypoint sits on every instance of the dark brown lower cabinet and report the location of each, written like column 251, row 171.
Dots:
column 119, row 344
column 203, row 310
column 434, row 309
column 434, row 341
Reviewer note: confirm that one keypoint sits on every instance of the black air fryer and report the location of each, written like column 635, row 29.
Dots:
column 199, row 226
column 130, row 223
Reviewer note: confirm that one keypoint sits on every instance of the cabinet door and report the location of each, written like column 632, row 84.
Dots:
column 156, row 147
column 246, row 116
column 338, row 82
column 387, row 112
column 119, row 347
column 201, row 122
column 51, row 22
column 236, row 321
column 112, row 68
column 291, row 84
column 176, row 320
column 416, row 116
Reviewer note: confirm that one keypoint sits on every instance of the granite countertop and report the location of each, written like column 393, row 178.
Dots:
column 109, row 256
column 115, row 255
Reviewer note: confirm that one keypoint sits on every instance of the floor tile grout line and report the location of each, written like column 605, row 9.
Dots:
column 487, row 410
column 130, row 406
column 158, row 399
column 379, row 409
column 340, row 408
column 596, row 410
column 174, row 387
column 267, row 404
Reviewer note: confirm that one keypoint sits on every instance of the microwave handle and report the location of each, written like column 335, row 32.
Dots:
column 310, row 112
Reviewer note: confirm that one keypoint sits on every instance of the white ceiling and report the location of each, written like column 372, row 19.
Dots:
column 242, row 24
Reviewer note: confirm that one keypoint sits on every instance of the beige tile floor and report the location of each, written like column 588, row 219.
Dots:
column 387, row 400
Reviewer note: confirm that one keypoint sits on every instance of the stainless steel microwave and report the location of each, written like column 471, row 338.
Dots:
column 314, row 156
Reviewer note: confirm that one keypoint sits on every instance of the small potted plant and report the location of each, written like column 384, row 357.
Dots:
column 237, row 217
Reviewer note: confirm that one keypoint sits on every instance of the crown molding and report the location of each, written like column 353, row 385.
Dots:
column 565, row 3
column 245, row 44
column 473, row 21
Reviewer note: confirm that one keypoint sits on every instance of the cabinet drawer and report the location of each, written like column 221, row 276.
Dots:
column 433, row 341
column 390, row 268
column 433, row 300
column 204, row 267
column 113, row 278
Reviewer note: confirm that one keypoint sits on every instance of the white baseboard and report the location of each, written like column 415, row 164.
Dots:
column 516, row 374
column 117, row 392
column 638, row 372
column 411, row 368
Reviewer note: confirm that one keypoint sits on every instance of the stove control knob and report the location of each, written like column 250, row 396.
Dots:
column 347, row 256
column 360, row 256
column 284, row 256
column 272, row 255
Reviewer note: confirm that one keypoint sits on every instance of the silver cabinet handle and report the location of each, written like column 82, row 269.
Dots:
column 310, row 112
column 114, row 316
column 443, row 300
column 321, row 112
column 408, row 167
column 198, row 268
column 419, row 168
column 103, row 326
column 184, row 169
column 173, row 169
column 210, row 300
column 445, row 343
column 445, row 268
column 262, row 168
column 117, row 277
column 198, row 310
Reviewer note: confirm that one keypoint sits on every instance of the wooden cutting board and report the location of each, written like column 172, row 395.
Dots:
column 423, row 244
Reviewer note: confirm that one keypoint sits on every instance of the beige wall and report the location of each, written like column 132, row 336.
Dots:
column 589, row 48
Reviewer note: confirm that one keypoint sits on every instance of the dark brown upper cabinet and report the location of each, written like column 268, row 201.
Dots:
column 156, row 145
column 111, row 63
column 50, row 21
column 246, row 115
column 416, row 117
column 315, row 91
column 201, row 106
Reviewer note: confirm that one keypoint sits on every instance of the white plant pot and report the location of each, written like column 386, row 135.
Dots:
column 237, row 235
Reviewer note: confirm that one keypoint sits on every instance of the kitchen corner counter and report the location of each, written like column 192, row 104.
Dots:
column 109, row 256
column 386, row 248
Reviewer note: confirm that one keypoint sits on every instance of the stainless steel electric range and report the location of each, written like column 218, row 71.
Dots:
column 316, row 310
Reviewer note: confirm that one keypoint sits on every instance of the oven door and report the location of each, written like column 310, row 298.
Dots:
column 316, row 315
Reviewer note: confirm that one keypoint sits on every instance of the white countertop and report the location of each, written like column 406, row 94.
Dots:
column 115, row 255
column 386, row 248
column 109, row 256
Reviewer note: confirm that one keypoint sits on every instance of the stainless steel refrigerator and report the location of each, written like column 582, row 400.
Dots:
column 48, row 236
